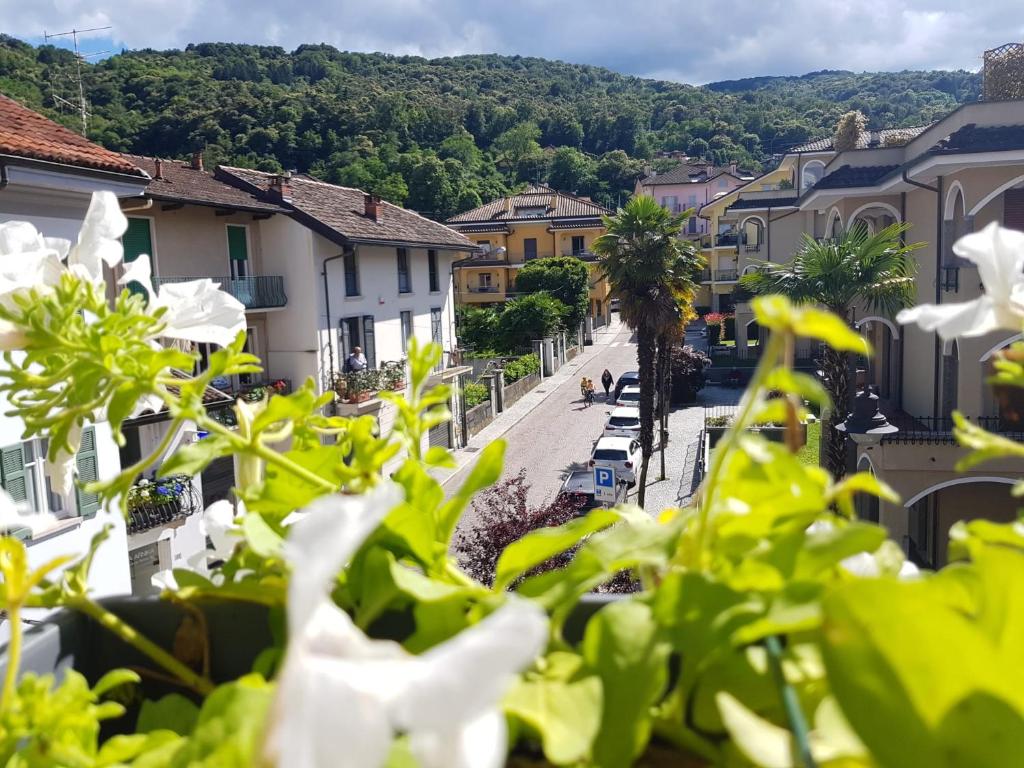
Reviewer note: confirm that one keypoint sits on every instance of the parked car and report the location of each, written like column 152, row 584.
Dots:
column 579, row 486
column 624, row 421
column 629, row 378
column 613, row 305
column 629, row 396
column 620, row 453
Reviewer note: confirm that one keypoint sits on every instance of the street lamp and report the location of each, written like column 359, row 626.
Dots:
column 867, row 425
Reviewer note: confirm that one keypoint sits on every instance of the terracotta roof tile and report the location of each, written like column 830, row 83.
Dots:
column 179, row 182
column 534, row 202
column 971, row 138
column 341, row 211
column 692, row 173
column 27, row 134
column 763, row 202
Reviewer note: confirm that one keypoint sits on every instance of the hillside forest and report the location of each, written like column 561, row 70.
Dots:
column 441, row 136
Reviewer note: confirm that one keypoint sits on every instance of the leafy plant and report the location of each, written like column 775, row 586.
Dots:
column 687, row 365
column 476, row 393
column 564, row 278
column 521, row 367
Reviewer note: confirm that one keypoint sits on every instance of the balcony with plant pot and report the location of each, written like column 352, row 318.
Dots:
column 356, row 392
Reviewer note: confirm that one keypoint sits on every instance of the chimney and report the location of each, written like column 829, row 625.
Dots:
column 372, row 207
column 508, row 204
column 732, row 168
column 709, row 170
column 197, row 160
column 280, row 186
column 158, row 173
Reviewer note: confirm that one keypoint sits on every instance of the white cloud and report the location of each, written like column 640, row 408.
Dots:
column 669, row 38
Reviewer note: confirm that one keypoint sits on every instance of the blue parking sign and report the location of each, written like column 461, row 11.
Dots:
column 604, row 484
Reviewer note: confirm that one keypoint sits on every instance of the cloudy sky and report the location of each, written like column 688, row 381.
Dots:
column 681, row 40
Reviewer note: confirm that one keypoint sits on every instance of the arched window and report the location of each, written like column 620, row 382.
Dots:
column 811, row 174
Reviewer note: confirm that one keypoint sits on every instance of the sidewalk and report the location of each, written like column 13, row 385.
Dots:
column 505, row 420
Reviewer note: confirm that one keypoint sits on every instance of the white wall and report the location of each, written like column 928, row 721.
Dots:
column 59, row 213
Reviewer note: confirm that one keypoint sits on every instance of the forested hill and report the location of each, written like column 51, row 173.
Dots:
column 442, row 135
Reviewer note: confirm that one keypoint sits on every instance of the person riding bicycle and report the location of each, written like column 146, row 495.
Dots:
column 587, row 388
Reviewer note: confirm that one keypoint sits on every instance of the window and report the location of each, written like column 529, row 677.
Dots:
column 404, row 279
column 406, row 319
column 671, row 202
column 530, row 248
column 533, row 211
column 691, row 225
column 484, row 281
column 238, row 250
column 577, row 245
column 435, row 282
column 691, row 201
column 437, row 333
column 811, row 174
column 357, row 331
column 23, row 476
column 351, row 273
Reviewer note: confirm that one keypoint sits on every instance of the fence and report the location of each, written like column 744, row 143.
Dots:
column 478, row 417
column 931, row 430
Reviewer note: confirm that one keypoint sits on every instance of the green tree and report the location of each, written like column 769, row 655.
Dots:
column 430, row 188
column 529, row 317
column 565, row 278
column 644, row 259
column 516, row 143
column 570, row 170
column 860, row 268
column 477, row 327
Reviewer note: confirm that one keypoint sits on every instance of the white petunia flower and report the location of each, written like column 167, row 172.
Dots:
column 342, row 697
column 99, row 239
column 61, row 470
column 21, row 515
column 195, row 310
column 999, row 254
column 27, row 260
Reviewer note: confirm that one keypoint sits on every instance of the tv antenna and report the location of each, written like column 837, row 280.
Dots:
column 82, row 105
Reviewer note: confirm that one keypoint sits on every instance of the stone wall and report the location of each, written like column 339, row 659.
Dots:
column 517, row 389
column 478, row 417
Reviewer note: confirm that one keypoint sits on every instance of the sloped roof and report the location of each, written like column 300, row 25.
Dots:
column 339, row 212
column 867, row 139
column 971, row 138
column 692, row 173
column 543, row 202
column 178, row 181
column 29, row 135
column 763, row 202
column 855, row 176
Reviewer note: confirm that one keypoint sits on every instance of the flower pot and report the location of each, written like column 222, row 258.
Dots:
column 398, row 386
column 357, row 397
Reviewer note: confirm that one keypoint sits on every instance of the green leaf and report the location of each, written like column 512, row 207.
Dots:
column 541, row 545
column 485, row 472
column 803, row 385
column 262, row 539
column 842, row 493
column 623, row 646
column 765, row 744
column 173, row 712
column 193, row 458
column 562, row 705
column 114, row 679
column 826, row 547
column 819, row 324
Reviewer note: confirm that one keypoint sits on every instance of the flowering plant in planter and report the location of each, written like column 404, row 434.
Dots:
column 392, row 375
column 770, row 627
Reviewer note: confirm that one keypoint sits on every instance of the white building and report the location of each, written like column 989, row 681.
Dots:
column 47, row 176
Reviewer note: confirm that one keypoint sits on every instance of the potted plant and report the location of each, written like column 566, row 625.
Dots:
column 393, row 375
column 713, row 321
column 715, row 427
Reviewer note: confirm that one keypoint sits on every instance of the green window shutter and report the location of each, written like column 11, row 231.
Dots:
column 12, row 463
column 137, row 239
column 88, row 471
column 238, row 248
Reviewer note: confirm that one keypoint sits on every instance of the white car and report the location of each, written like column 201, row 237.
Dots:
column 620, row 453
column 624, row 421
column 629, row 396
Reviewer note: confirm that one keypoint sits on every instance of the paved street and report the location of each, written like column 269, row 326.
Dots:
column 550, row 429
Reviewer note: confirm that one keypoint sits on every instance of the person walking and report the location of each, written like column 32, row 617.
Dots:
column 607, row 380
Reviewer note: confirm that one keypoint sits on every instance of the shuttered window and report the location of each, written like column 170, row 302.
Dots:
column 238, row 250
column 137, row 239
column 88, row 471
column 1013, row 209
column 12, row 472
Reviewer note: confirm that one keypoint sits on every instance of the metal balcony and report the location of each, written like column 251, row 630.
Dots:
column 951, row 278
column 484, row 288
column 730, row 239
column 726, row 274
column 260, row 292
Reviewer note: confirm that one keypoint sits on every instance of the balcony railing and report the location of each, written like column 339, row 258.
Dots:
column 484, row 288
column 932, row 430
column 726, row 274
column 260, row 292
column 726, row 239
column 705, row 275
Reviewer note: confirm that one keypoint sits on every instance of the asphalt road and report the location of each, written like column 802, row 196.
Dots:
column 560, row 431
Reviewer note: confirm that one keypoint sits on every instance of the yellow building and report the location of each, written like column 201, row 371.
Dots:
column 737, row 233
column 536, row 223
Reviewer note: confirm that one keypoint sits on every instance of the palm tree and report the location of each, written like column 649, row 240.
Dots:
column 648, row 267
column 873, row 270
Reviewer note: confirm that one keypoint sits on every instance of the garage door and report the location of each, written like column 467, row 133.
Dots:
column 440, row 435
